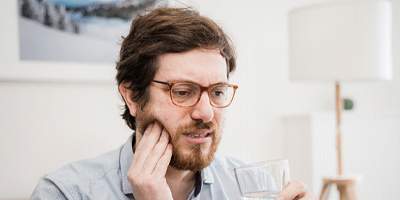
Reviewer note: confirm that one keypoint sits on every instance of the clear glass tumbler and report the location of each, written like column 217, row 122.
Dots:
column 263, row 180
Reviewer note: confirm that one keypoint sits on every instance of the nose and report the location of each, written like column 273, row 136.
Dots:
column 203, row 109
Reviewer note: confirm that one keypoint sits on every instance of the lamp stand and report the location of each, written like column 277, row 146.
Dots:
column 338, row 127
column 345, row 185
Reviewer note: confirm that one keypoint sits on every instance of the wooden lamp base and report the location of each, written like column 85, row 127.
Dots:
column 345, row 185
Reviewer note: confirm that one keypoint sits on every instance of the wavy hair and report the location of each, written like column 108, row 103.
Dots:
column 161, row 31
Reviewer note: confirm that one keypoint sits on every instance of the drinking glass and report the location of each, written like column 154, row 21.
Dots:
column 263, row 180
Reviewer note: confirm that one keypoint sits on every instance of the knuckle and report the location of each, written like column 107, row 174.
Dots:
column 298, row 184
column 145, row 183
column 141, row 182
column 131, row 177
column 138, row 182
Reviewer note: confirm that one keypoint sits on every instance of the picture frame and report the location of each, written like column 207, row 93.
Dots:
column 13, row 68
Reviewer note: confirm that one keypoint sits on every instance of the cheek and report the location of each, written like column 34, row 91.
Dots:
column 219, row 116
column 170, row 117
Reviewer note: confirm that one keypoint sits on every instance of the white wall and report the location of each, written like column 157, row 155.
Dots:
column 45, row 125
column 370, row 151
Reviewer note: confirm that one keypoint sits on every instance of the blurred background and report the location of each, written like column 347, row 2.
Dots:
column 46, row 123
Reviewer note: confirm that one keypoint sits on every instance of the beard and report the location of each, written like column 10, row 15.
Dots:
column 198, row 158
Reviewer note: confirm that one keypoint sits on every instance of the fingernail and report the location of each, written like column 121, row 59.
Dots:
column 280, row 198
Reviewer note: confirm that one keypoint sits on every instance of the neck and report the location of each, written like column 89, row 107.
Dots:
column 180, row 182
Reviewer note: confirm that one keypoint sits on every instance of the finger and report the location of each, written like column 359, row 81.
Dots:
column 156, row 154
column 295, row 189
column 163, row 163
column 148, row 129
column 142, row 141
column 145, row 146
column 150, row 137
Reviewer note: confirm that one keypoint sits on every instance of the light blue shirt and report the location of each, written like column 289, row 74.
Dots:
column 104, row 177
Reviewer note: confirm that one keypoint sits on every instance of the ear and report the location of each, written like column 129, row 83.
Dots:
column 128, row 94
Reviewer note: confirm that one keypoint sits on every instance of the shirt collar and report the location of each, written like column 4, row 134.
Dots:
column 206, row 175
column 126, row 162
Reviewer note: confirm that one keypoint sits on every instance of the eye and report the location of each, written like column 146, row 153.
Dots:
column 181, row 92
column 218, row 93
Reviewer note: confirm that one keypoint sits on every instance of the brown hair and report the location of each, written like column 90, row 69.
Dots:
column 161, row 31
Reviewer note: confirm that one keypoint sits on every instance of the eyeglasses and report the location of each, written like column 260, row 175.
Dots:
column 185, row 94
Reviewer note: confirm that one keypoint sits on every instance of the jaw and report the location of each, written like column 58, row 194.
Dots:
column 192, row 157
column 196, row 149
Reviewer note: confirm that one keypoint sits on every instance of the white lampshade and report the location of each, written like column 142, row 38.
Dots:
column 339, row 42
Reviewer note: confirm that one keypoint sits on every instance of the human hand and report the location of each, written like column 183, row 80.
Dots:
column 296, row 190
column 149, row 165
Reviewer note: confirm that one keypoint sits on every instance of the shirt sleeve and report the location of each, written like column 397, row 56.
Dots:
column 46, row 189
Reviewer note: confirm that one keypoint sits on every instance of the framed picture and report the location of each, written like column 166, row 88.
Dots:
column 66, row 40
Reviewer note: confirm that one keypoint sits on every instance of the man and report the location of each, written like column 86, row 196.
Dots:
column 173, row 76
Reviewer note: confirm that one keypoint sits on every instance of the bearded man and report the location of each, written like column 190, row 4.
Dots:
column 173, row 74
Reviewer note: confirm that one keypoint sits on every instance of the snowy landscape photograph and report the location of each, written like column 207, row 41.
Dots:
column 76, row 30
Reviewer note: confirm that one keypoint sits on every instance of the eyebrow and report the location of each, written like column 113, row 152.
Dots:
column 189, row 81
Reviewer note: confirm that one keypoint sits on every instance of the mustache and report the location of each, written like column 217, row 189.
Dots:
column 198, row 125
column 144, row 121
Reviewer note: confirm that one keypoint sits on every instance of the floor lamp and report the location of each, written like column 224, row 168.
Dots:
column 336, row 43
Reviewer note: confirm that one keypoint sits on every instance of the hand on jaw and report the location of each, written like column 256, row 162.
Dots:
column 149, row 165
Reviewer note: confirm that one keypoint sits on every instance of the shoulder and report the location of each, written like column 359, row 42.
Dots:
column 88, row 169
column 74, row 179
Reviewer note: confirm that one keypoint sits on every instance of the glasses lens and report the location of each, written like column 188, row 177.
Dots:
column 221, row 95
column 185, row 94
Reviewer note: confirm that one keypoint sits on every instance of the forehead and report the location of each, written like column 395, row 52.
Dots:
column 201, row 66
